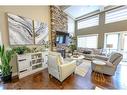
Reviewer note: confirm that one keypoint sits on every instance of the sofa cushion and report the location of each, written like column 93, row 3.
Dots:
column 58, row 57
column 87, row 52
column 97, row 51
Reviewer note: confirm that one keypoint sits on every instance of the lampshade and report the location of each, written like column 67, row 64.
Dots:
column 109, row 45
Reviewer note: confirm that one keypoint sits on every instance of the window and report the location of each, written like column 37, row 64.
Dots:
column 113, row 40
column 116, row 15
column 125, row 42
column 118, row 41
column 88, row 22
column 87, row 41
column 71, row 26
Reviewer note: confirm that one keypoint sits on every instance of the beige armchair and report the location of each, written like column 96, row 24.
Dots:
column 111, row 64
column 59, row 68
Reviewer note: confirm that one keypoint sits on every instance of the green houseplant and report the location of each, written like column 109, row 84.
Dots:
column 5, row 67
column 72, row 44
column 72, row 48
column 21, row 49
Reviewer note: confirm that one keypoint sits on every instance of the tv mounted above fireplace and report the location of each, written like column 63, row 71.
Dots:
column 61, row 37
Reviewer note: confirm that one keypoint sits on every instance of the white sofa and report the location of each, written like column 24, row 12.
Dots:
column 59, row 68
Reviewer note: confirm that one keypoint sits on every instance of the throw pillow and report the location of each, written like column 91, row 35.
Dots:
column 86, row 52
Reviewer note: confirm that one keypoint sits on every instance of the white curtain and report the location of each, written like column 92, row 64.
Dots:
column 89, row 41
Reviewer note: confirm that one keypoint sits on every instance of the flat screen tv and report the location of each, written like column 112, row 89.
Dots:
column 61, row 37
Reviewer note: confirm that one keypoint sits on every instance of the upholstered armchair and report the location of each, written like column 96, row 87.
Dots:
column 111, row 64
column 59, row 68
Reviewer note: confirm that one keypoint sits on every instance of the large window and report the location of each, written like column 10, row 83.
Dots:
column 88, row 22
column 87, row 41
column 125, row 42
column 112, row 41
column 116, row 15
column 71, row 26
column 118, row 42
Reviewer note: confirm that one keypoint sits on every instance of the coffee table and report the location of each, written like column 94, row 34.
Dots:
column 78, row 59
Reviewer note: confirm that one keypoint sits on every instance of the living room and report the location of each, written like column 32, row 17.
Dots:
column 83, row 39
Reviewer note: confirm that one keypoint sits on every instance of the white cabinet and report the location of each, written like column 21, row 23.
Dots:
column 23, row 63
column 45, row 56
column 31, row 62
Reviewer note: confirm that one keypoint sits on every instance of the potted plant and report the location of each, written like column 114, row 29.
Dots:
column 72, row 44
column 45, row 46
column 72, row 48
column 5, row 67
column 20, row 50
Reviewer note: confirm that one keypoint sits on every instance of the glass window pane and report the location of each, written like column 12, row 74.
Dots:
column 113, row 40
column 125, row 43
column 71, row 26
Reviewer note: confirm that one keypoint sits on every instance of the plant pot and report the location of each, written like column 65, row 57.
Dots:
column 6, row 79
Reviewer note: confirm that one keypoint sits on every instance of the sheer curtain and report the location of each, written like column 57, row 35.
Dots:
column 88, row 22
column 88, row 41
column 112, row 39
column 116, row 15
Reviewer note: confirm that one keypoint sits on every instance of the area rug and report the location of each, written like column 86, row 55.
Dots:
column 83, row 68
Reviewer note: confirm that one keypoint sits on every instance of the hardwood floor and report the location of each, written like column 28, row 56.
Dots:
column 41, row 80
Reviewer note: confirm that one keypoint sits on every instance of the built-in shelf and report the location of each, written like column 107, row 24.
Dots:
column 31, row 62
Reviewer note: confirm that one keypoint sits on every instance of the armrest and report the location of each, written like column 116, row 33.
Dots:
column 69, row 67
column 109, row 64
column 72, row 63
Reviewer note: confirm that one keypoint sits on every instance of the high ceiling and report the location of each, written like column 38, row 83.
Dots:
column 78, row 11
